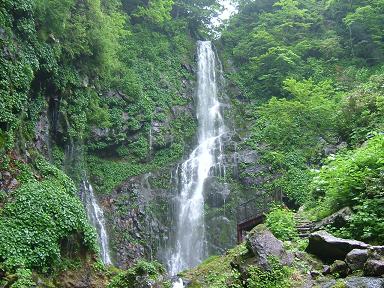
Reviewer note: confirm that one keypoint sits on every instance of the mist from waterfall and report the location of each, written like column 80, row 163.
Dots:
column 190, row 243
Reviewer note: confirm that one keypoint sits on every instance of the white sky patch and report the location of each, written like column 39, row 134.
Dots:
column 229, row 9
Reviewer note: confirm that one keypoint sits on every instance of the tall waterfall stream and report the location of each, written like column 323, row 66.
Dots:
column 190, row 243
column 206, row 159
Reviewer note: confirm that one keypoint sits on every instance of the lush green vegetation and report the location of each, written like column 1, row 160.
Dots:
column 112, row 82
column 216, row 271
column 140, row 274
column 281, row 222
column 94, row 85
column 234, row 270
column 37, row 220
column 311, row 83
column 355, row 179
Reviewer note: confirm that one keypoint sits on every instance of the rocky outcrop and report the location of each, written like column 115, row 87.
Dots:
column 216, row 192
column 364, row 282
column 8, row 181
column 42, row 134
column 356, row 255
column 338, row 219
column 264, row 245
column 376, row 252
column 220, row 236
column 340, row 268
column 374, row 267
column 85, row 276
column 354, row 282
column 356, row 259
column 137, row 224
column 330, row 248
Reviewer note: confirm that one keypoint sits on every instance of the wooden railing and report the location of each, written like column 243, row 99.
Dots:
column 251, row 212
column 258, row 205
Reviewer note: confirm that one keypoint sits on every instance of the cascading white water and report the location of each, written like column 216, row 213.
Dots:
column 96, row 216
column 190, row 246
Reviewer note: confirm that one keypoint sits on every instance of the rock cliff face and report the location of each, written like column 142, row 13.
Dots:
column 138, row 219
column 139, row 209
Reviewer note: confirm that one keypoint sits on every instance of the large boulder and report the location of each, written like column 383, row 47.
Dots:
column 374, row 267
column 340, row 268
column 376, row 252
column 337, row 219
column 265, row 245
column 356, row 259
column 375, row 263
column 330, row 248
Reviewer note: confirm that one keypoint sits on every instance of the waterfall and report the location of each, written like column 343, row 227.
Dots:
column 190, row 247
column 96, row 216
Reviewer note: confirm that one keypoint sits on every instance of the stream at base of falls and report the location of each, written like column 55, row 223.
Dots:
column 189, row 248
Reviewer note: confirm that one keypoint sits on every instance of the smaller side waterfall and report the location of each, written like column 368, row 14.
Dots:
column 96, row 216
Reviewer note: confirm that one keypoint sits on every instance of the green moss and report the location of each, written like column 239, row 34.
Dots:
column 216, row 271
column 138, row 274
column 340, row 284
column 277, row 277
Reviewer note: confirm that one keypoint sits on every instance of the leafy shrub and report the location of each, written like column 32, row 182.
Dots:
column 38, row 217
column 356, row 179
column 363, row 109
column 368, row 221
column 277, row 277
column 282, row 223
column 351, row 176
column 24, row 279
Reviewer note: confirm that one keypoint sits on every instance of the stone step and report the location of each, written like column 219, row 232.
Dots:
column 304, row 229
column 304, row 226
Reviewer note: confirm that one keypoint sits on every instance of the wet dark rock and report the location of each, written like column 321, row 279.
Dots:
column 220, row 236
column 3, row 35
column 161, row 133
column 315, row 274
column 330, row 248
column 326, row 270
column 356, row 259
column 119, row 95
column 264, row 245
column 340, row 268
column 188, row 67
column 6, row 176
column 13, row 184
column 338, row 219
column 374, row 267
column 136, row 231
column 364, row 282
column 100, row 133
column 42, row 134
column 328, row 284
column 332, row 149
column 180, row 111
column 216, row 192
column 247, row 156
column 376, row 252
